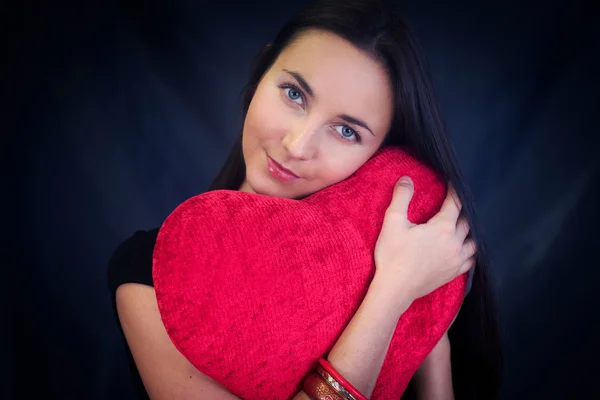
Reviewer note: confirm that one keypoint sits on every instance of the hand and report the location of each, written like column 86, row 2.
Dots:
column 421, row 258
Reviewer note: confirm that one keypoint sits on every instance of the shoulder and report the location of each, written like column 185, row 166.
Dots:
column 131, row 261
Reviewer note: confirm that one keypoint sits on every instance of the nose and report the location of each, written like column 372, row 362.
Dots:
column 300, row 141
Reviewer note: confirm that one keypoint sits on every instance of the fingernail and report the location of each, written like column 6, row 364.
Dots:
column 405, row 180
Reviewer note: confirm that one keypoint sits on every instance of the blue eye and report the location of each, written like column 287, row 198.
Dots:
column 292, row 92
column 348, row 133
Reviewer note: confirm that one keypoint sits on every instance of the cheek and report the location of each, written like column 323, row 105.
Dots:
column 265, row 118
column 339, row 167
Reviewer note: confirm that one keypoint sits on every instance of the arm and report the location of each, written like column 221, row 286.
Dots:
column 358, row 354
column 411, row 261
column 433, row 379
column 166, row 373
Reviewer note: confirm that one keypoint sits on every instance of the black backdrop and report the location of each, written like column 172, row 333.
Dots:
column 126, row 109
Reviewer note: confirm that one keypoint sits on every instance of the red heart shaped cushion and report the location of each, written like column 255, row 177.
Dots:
column 254, row 289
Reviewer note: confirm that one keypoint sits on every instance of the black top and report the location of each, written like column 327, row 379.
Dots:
column 132, row 263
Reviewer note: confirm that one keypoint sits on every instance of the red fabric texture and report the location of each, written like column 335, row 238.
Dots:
column 253, row 289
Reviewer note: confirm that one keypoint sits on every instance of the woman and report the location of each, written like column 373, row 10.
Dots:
column 341, row 79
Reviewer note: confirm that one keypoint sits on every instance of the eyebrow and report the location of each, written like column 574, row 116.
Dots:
column 352, row 120
column 302, row 82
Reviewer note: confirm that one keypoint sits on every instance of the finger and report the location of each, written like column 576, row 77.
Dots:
column 403, row 192
column 452, row 206
column 467, row 265
column 462, row 228
column 469, row 249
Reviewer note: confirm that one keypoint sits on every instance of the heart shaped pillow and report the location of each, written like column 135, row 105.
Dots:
column 253, row 289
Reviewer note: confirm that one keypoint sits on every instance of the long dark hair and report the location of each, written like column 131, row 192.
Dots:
column 374, row 28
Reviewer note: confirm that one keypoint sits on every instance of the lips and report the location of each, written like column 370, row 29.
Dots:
column 279, row 171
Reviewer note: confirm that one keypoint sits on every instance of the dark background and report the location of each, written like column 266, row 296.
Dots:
column 126, row 109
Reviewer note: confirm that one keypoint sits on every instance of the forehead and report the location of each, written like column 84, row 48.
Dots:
column 341, row 75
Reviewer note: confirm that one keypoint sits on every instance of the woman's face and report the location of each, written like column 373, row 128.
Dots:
column 320, row 112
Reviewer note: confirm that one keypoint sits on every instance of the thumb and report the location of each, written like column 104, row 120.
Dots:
column 403, row 193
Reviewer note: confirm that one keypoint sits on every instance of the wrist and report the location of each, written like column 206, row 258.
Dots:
column 392, row 293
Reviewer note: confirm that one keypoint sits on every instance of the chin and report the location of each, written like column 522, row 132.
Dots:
column 265, row 185
column 262, row 184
